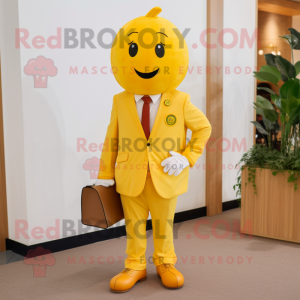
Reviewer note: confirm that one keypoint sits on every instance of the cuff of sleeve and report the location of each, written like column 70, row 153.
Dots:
column 189, row 159
column 105, row 177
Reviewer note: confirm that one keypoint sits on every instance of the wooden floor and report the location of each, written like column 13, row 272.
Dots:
column 218, row 264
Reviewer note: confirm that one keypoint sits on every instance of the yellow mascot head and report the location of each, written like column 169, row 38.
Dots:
column 149, row 56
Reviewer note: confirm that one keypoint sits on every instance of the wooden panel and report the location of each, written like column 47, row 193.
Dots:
column 281, row 7
column 3, row 204
column 214, row 110
column 274, row 212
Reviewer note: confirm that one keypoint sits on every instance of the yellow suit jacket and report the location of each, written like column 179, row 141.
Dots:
column 126, row 152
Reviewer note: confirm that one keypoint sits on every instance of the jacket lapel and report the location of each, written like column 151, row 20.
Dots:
column 130, row 102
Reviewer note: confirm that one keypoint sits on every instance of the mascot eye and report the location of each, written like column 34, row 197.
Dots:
column 160, row 50
column 133, row 49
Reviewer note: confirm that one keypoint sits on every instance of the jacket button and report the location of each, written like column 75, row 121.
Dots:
column 148, row 144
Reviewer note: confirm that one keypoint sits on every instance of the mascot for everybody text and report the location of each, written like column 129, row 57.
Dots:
column 146, row 153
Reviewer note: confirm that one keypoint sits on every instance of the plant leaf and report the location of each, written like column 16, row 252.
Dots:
column 264, row 76
column 294, row 114
column 266, row 90
column 295, row 33
column 270, row 114
column 272, row 70
column 259, row 128
column 269, row 125
column 289, row 104
column 297, row 67
column 277, row 126
column 259, row 111
column 263, row 103
column 277, row 101
column 288, row 127
column 291, row 40
column 290, row 87
column 270, row 60
column 286, row 69
column 297, row 82
column 282, row 118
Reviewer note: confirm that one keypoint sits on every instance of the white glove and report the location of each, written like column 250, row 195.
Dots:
column 175, row 164
column 105, row 182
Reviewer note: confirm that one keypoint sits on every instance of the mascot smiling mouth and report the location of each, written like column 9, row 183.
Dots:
column 147, row 75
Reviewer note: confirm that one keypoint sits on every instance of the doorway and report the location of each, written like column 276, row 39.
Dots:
column 275, row 17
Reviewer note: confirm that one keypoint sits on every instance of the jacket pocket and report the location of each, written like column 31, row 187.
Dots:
column 122, row 157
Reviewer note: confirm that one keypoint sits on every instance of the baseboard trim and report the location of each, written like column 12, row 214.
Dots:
column 230, row 205
column 103, row 235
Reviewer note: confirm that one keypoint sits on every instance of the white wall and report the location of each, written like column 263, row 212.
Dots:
column 194, row 84
column 12, row 116
column 239, row 89
column 44, row 168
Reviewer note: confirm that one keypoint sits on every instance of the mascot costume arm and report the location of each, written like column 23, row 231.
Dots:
column 109, row 151
column 197, row 122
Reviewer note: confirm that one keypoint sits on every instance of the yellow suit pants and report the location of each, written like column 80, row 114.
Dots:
column 136, row 211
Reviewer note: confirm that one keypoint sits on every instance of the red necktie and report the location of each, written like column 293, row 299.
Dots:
column 146, row 115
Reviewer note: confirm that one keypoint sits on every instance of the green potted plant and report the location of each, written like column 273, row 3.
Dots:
column 264, row 197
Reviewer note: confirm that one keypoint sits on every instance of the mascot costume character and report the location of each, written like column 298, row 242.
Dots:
column 146, row 153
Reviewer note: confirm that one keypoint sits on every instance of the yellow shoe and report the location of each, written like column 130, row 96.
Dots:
column 170, row 277
column 125, row 281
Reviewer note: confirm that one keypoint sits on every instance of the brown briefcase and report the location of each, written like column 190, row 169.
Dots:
column 101, row 206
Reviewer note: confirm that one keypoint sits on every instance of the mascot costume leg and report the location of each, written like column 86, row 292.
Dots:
column 145, row 151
